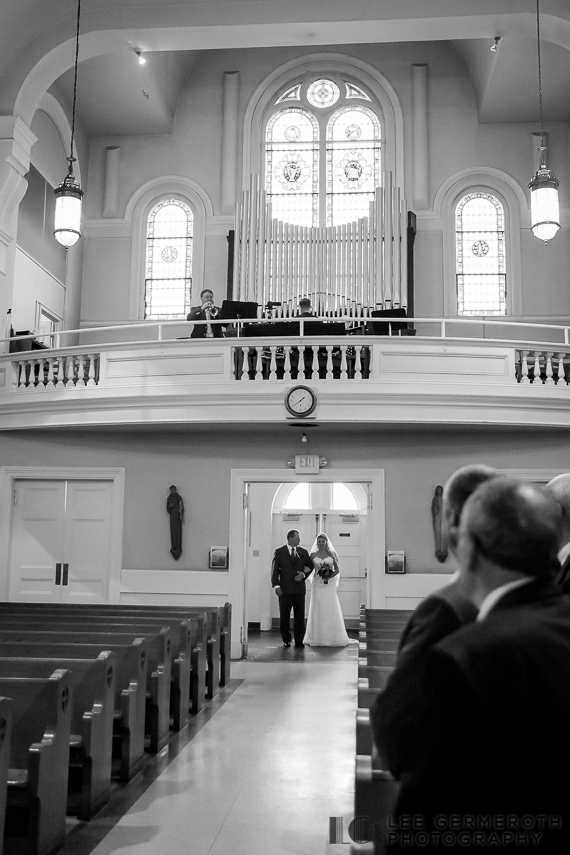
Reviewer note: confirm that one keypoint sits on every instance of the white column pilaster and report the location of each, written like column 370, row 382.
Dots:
column 229, row 141
column 420, row 135
column 16, row 141
column 111, row 190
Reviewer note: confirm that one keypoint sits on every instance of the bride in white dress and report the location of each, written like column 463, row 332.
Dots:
column 325, row 624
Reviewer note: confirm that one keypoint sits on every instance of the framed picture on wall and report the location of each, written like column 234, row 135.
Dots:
column 395, row 562
column 218, row 558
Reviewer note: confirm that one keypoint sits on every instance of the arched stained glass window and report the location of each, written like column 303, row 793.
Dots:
column 323, row 155
column 168, row 275
column 480, row 255
column 291, row 166
column 353, row 163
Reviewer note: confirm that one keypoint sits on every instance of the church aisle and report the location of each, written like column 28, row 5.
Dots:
column 262, row 776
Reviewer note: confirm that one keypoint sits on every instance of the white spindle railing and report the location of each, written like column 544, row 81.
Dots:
column 331, row 358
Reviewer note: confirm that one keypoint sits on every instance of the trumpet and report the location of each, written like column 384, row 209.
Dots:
column 211, row 312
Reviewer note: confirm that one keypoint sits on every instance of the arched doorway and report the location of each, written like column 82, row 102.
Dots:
column 348, row 504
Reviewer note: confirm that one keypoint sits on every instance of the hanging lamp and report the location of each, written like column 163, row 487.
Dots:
column 544, row 207
column 68, row 196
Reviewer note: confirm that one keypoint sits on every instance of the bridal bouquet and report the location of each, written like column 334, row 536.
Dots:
column 326, row 570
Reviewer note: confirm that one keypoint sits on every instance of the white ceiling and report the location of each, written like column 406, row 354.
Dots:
column 112, row 87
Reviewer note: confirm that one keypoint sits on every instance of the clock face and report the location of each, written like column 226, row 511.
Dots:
column 300, row 401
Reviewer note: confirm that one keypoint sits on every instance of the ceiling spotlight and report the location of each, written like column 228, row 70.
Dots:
column 495, row 44
column 304, row 437
column 142, row 60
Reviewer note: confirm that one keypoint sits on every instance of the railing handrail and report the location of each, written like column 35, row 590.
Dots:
column 442, row 323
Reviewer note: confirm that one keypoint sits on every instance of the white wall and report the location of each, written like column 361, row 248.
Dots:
column 35, row 285
column 200, row 461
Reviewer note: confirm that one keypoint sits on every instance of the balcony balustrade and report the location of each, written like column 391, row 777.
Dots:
column 436, row 370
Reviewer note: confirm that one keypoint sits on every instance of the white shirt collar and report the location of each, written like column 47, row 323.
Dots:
column 564, row 552
column 493, row 598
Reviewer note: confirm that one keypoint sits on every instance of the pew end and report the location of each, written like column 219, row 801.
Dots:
column 39, row 760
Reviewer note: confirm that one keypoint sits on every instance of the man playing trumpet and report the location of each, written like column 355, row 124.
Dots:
column 206, row 312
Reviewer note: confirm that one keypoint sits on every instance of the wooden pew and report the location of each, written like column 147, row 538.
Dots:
column 39, row 759
column 375, row 788
column 98, row 619
column 91, row 740
column 5, row 738
column 157, row 719
column 375, row 794
column 130, row 691
column 199, row 646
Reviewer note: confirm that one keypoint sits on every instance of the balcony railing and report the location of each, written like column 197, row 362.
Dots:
column 153, row 371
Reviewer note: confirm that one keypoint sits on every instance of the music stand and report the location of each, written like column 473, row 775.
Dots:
column 388, row 315
column 235, row 310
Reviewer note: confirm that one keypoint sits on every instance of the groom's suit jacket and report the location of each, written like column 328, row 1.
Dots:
column 284, row 570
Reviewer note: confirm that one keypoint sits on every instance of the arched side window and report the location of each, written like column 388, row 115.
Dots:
column 168, row 269
column 480, row 255
column 480, row 210
column 322, row 151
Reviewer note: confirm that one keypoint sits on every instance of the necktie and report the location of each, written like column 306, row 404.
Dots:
column 293, row 553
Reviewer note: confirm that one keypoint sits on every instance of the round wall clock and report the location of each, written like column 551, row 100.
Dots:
column 300, row 401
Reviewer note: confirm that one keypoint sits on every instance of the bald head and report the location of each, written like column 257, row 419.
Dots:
column 511, row 524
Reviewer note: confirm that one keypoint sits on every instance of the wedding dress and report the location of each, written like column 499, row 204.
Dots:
column 325, row 624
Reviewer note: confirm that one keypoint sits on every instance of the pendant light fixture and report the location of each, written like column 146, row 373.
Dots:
column 68, row 196
column 544, row 207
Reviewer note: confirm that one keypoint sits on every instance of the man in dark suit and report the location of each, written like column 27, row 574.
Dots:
column 492, row 758
column 394, row 713
column 291, row 566
column 207, row 311
column 559, row 489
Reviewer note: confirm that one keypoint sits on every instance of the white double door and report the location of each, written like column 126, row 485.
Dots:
column 61, row 536
column 348, row 536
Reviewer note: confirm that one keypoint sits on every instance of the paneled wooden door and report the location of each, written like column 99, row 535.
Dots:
column 61, row 536
column 348, row 535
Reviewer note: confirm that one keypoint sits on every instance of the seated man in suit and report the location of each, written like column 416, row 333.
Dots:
column 394, row 713
column 291, row 566
column 206, row 312
column 559, row 489
column 496, row 695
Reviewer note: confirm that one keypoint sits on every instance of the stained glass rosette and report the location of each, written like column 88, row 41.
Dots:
column 292, row 179
column 353, row 163
column 323, row 94
column 480, row 255
column 168, row 261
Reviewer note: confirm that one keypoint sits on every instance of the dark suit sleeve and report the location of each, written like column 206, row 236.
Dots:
column 394, row 713
column 196, row 314
column 275, row 569
column 432, row 620
column 308, row 563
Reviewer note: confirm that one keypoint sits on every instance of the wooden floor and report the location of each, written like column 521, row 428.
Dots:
column 260, row 770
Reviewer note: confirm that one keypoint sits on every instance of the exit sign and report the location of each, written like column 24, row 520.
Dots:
column 307, row 463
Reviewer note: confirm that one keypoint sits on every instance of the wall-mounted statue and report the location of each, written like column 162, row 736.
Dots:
column 437, row 520
column 175, row 508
